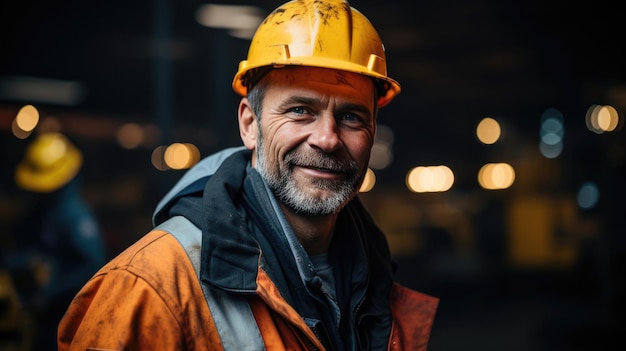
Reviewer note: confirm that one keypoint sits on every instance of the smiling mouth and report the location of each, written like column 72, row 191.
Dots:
column 322, row 169
column 320, row 173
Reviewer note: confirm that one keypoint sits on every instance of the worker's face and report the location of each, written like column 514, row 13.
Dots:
column 316, row 132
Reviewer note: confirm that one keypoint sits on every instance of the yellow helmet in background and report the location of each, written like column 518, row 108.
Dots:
column 318, row 33
column 50, row 162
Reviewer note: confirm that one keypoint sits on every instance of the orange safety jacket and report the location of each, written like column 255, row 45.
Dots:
column 151, row 296
column 157, row 274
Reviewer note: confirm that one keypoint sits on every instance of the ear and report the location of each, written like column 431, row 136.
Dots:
column 247, row 124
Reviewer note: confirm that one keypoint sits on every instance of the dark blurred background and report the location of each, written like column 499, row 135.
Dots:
column 538, row 265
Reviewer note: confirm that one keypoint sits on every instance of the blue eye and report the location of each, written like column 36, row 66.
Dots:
column 349, row 117
column 298, row 110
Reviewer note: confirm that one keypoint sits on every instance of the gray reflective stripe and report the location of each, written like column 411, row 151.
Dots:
column 188, row 235
column 232, row 314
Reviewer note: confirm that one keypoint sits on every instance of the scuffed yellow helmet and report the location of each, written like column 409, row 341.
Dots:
column 50, row 162
column 318, row 33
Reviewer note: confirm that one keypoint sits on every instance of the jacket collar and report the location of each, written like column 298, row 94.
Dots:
column 242, row 229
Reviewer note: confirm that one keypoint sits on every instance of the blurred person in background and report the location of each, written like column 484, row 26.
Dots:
column 267, row 246
column 58, row 242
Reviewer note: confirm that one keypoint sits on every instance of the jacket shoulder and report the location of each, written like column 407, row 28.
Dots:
column 158, row 259
column 148, row 289
column 157, row 247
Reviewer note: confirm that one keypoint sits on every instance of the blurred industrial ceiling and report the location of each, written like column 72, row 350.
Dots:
column 457, row 61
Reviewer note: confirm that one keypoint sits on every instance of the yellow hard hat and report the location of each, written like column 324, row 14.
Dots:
column 50, row 162
column 319, row 33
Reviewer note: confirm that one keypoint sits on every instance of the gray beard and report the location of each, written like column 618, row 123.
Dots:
column 286, row 189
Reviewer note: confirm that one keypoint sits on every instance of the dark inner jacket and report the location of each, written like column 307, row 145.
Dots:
column 239, row 224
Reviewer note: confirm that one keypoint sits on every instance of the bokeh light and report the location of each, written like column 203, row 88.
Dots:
column 495, row 176
column 428, row 179
column 588, row 195
column 602, row 118
column 551, row 133
column 130, row 135
column 368, row 182
column 382, row 154
column 488, row 131
column 181, row 155
column 27, row 118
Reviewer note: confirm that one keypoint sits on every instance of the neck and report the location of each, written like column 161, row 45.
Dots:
column 314, row 232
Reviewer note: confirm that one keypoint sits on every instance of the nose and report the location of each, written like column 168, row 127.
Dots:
column 325, row 134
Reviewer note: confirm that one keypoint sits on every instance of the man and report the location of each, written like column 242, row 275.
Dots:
column 59, row 242
column 267, row 246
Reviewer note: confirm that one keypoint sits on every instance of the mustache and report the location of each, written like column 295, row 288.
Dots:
column 320, row 160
